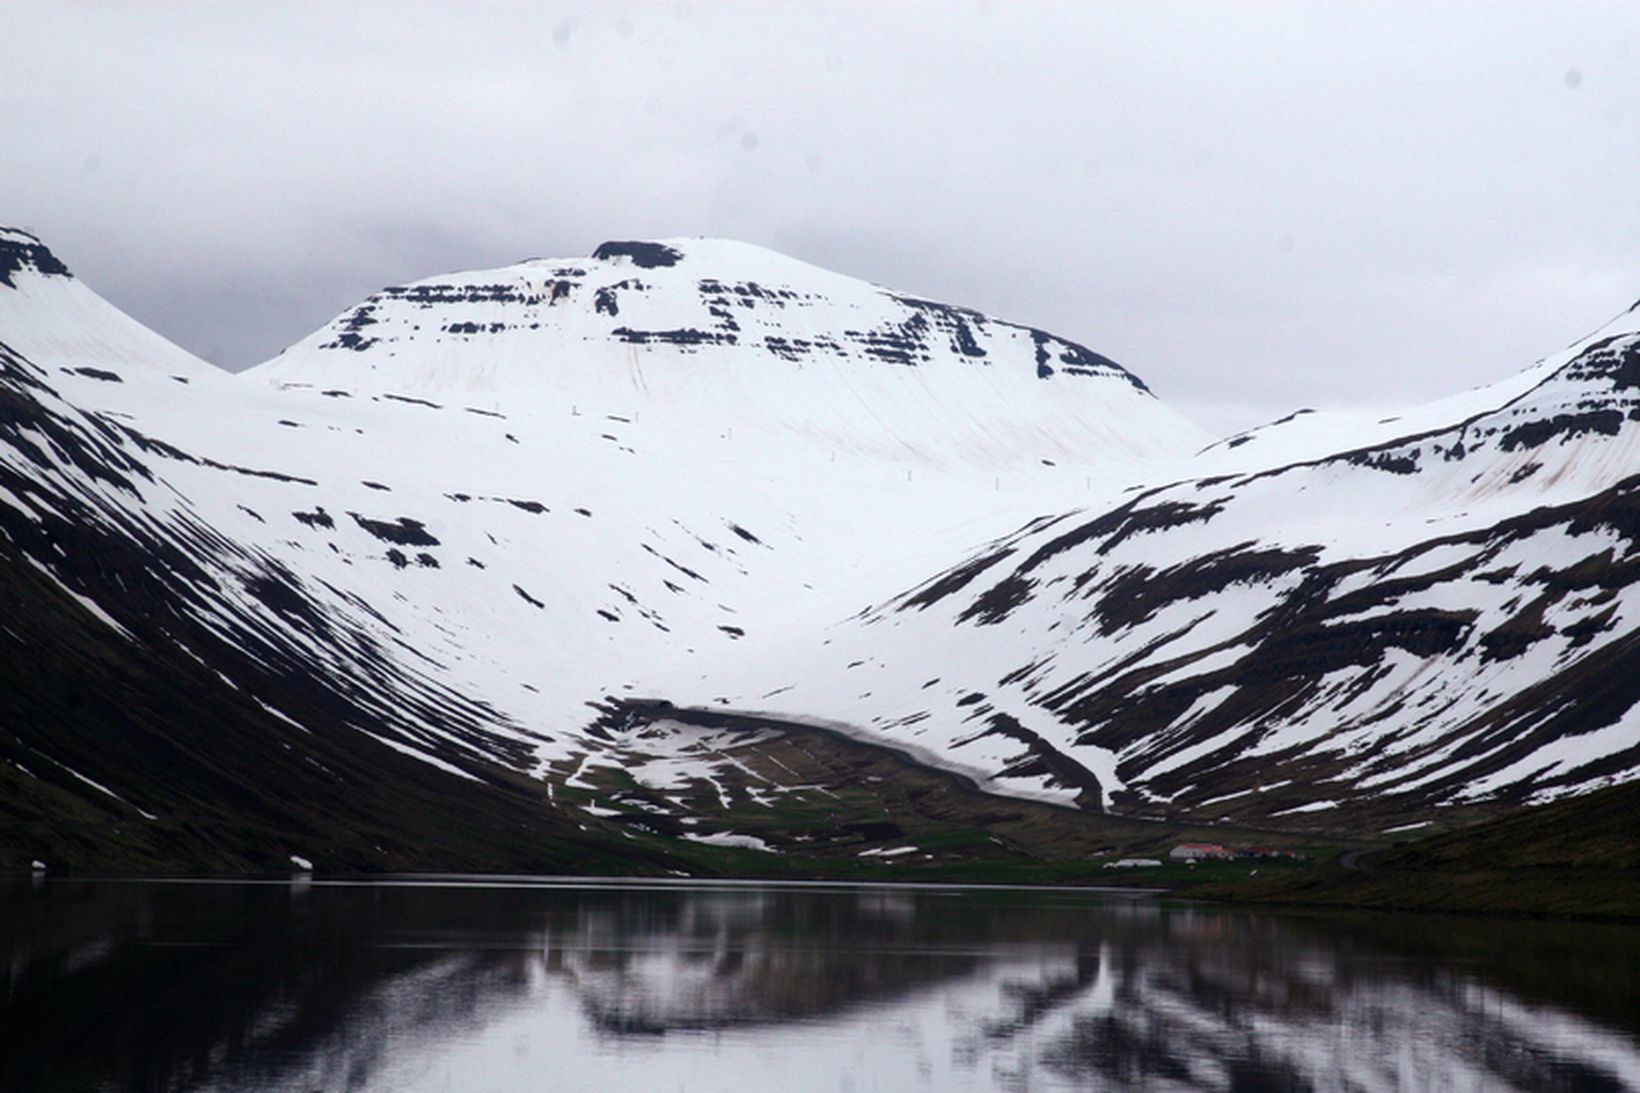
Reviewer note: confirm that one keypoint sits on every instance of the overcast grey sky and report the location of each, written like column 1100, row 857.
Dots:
column 1255, row 207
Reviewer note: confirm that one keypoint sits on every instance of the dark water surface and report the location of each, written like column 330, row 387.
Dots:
column 493, row 983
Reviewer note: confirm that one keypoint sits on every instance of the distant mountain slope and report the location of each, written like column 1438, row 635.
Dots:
column 168, row 701
column 1444, row 617
column 409, row 581
column 455, row 578
column 712, row 333
column 49, row 315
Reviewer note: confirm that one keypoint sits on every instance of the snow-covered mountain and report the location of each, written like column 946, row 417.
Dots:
column 471, row 522
column 541, row 493
column 463, row 555
column 1367, row 616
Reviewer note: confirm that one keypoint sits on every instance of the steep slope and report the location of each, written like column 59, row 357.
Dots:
column 455, row 581
column 553, row 509
column 1439, row 618
column 173, row 698
column 744, row 429
column 47, row 314
column 449, row 545
column 709, row 334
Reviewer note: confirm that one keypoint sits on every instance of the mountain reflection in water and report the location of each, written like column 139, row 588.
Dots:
column 484, row 983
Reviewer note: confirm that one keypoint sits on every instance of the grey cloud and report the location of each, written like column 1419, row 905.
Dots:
column 1255, row 207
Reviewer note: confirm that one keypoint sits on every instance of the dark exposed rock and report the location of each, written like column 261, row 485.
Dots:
column 680, row 336
column 404, row 531
column 1393, row 462
column 1042, row 758
column 993, row 605
column 1564, row 427
column 27, row 253
column 953, row 581
column 643, row 255
column 413, row 401
column 318, row 518
column 1132, row 595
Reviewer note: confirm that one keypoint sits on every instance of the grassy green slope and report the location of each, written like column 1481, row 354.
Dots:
column 832, row 806
column 1575, row 857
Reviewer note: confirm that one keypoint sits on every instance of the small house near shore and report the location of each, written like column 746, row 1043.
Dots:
column 1201, row 852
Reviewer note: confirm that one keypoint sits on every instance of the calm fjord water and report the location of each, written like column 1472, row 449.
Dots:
column 492, row 983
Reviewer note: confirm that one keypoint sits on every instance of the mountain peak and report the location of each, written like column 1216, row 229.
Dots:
column 711, row 324
column 644, row 255
column 707, row 257
column 23, row 251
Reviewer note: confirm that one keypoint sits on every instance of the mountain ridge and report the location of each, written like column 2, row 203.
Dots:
column 471, row 509
column 1552, row 463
